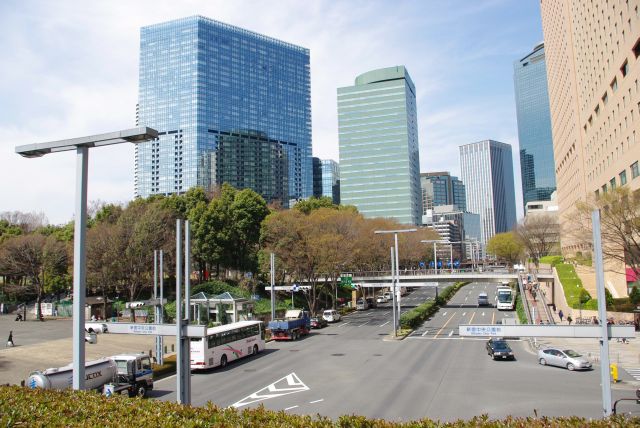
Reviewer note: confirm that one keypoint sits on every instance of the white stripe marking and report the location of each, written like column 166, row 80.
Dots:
column 363, row 324
column 444, row 314
column 385, row 323
column 316, row 401
column 464, row 313
column 425, row 333
column 451, row 333
column 483, row 314
column 292, row 407
column 343, row 324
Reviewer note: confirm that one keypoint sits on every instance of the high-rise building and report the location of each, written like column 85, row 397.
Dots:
column 487, row 173
column 203, row 83
column 592, row 51
column 534, row 126
column 331, row 180
column 441, row 188
column 317, row 177
column 379, row 159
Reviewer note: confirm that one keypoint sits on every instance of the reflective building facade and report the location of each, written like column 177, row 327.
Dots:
column 203, row 80
column 534, row 127
column 487, row 172
column 378, row 132
column 331, row 180
column 441, row 188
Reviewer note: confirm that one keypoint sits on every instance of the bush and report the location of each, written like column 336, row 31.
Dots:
column 48, row 408
column 551, row 260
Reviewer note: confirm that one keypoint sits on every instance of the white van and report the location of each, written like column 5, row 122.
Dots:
column 331, row 315
column 483, row 299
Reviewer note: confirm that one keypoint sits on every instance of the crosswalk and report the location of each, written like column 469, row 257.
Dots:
column 634, row 372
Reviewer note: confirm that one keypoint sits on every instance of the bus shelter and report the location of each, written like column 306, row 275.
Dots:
column 224, row 308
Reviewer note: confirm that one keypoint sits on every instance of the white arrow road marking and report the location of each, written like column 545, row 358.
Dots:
column 290, row 384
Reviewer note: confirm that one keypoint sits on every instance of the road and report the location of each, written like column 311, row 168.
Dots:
column 348, row 368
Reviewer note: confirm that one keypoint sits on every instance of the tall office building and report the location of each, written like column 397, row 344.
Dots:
column 534, row 127
column 441, row 188
column 202, row 82
column 317, row 177
column 487, row 172
column 379, row 159
column 592, row 51
column 331, row 180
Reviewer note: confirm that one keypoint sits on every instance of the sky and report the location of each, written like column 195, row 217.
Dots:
column 70, row 69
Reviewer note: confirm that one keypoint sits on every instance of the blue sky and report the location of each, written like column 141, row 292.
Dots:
column 70, row 68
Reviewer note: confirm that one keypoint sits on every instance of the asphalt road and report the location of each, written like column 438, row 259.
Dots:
column 347, row 368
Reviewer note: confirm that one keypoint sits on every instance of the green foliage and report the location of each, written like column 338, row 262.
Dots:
column 50, row 408
column 8, row 230
column 551, row 260
column 506, row 246
column 574, row 292
column 109, row 213
column 634, row 296
column 415, row 317
column 314, row 203
column 520, row 310
column 213, row 288
column 62, row 233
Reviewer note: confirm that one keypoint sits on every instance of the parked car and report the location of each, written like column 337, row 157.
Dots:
column 499, row 349
column 361, row 305
column 371, row 302
column 388, row 295
column 483, row 299
column 567, row 358
column 318, row 322
column 331, row 315
column 95, row 327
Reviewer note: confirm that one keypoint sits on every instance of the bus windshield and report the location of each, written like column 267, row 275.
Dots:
column 504, row 297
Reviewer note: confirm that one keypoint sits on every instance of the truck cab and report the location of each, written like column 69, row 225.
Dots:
column 135, row 371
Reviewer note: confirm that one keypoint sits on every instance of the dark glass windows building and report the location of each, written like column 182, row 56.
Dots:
column 203, row 80
column 331, row 180
column 441, row 188
column 317, row 177
column 534, row 127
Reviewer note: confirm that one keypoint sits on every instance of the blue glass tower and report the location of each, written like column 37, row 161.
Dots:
column 534, row 127
column 203, row 80
column 331, row 180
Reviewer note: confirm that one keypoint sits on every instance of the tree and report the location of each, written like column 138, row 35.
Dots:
column 539, row 234
column 313, row 203
column 36, row 259
column 619, row 225
column 102, row 259
column 634, row 295
column 506, row 246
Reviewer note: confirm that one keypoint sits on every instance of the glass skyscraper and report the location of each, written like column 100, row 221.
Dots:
column 378, row 133
column 317, row 177
column 202, row 81
column 331, row 180
column 441, row 188
column 534, row 127
column 487, row 173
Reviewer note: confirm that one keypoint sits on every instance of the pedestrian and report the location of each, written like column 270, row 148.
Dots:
column 560, row 314
column 10, row 340
column 569, row 319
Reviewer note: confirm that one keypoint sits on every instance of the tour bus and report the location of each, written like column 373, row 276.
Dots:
column 227, row 343
column 506, row 298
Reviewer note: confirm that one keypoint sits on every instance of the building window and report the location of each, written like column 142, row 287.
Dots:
column 605, row 98
column 597, row 192
column 636, row 48
column 612, row 183
column 604, row 188
column 623, row 177
column 614, row 84
column 625, row 68
column 635, row 170
column 597, row 110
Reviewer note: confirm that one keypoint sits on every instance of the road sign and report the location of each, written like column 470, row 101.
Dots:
column 155, row 329
column 346, row 280
column 491, row 330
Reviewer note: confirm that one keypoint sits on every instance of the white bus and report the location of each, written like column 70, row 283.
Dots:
column 506, row 299
column 226, row 343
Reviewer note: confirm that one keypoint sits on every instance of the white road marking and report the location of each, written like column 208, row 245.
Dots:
column 451, row 333
column 343, row 324
column 289, row 384
column 363, row 324
column 292, row 407
column 483, row 314
column 465, row 299
column 464, row 313
column 385, row 323
column 316, row 401
column 444, row 314
column 425, row 333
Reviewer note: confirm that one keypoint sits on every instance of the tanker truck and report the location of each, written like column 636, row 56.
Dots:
column 130, row 373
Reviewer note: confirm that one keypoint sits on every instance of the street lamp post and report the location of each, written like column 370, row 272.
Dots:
column 81, row 146
column 397, row 274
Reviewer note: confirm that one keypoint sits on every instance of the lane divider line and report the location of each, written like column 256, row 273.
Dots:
column 472, row 315
column 343, row 324
column 316, row 401
column 425, row 333
column 385, row 323
column 445, row 324
column 451, row 333
column 292, row 407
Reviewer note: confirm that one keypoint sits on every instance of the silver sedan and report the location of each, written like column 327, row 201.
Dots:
column 567, row 358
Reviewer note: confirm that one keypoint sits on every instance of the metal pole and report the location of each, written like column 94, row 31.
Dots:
column 273, row 284
column 160, row 356
column 435, row 258
column 398, row 289
column 186, row 343
column 180, row 378
column 451, row 256
column 393, row 292
column 156, row 307
column 605, row 374
column 79, row 267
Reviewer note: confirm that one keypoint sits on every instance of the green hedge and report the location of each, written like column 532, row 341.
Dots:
column 520, row 310
column 416, row 316
column 551, row 260
column 46, row 408
column 572, row 286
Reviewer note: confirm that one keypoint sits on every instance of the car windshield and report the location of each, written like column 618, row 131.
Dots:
column 501, row 345
column 571, row 353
